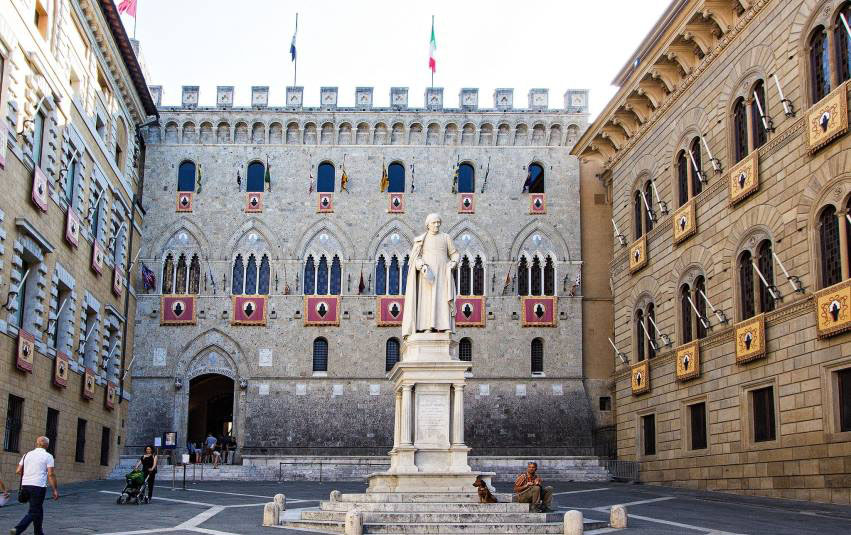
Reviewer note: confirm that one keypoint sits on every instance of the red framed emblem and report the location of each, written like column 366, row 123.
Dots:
column 117, row 281
column 321, row 310
column 537, row 203
column 249, row 310
column 97, row 257
column 39, row 193
column 466, row 203
column 60, row 370
column 109, row 397
column 470, row 311
column 72, row 227
column 539, row 311
column 26, row 351
column 184, row 201
column 88, row 384
column 390, row 309
column 396, row 203
column 177, row 310
column 325, row 203
column 254, row 202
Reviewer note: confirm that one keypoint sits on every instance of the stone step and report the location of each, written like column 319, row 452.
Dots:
column 555, row 528
column 316, row 526
column 413, row 497
column 437, row 517
column 426, row 507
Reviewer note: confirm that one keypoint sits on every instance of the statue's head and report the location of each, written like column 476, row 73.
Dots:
column 433, row 223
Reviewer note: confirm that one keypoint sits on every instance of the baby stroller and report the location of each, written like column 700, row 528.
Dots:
column 136, row 489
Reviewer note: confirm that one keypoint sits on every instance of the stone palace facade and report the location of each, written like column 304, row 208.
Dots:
column 279, row 251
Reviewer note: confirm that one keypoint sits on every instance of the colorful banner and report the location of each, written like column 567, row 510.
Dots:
column 97, row 257
column 828, row 119
column 537, row 203
column 26, row 351
column 253, row 203
column 640, row 378
column 539, row 311
column 109, row 397
column 249, row 310
column 117, row 281
column 744, row 178
column 72, row 227
column 470, row 311
column 466, row 203
column 638, row 254
column 685, row 222
column 88, row 384
column 750, row 339
column 688, row 361
column 322, row 310
column 184, row 201
column 60, row 370
column 390, row 309
column 833, row 309
column 396, row 203
column 177, row 310
column 325, row 203
column 39, row 193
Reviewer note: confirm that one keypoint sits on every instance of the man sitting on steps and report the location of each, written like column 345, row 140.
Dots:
column 529, row 488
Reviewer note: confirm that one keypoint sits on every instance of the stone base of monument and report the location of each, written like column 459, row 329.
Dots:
column 429, row 485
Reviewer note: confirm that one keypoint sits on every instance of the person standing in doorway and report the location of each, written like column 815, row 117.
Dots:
column 148, row 462
column 36, row 471
column 210, row 444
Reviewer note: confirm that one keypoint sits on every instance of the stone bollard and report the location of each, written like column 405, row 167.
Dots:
column 281, row 500
column 618, row 517
column 573, row 523
column 354, row 523
column 271, row 514
column 336, row 496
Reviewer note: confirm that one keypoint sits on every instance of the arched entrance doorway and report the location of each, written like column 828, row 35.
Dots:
column 211, row 407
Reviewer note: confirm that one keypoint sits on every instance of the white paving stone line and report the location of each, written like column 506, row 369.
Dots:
column 579, row 491
column 605, row 508
column 708, row 531
column 289, row 500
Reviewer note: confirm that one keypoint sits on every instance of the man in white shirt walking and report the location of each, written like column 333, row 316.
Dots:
column 36, row 470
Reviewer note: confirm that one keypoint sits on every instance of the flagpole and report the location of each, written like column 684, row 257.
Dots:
column 135, row 20
column 295, row 69
column 432, row 70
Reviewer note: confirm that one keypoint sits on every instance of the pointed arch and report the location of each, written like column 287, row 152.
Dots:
column 329, row 226
column 406, row 234
column 201, row 346
column 558, row 244
column 760, row 219
column 252, row 224
column 158, row 246
column 482, row 236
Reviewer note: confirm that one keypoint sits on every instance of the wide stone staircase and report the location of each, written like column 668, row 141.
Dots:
column 433, row 513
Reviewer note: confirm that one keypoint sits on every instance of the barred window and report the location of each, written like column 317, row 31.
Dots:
column 537, row 354
column 700, row 302
column 320, row 355
column 760, row 135
column 766, row 267
column 380, row 276
column 465, row 350
column 740, row 130
column 682, row 176
column 831, row 261
column 309, row 276
column 746, row 283
column 639, row 335
column 186, row 176
column 842, row 44
column 14, row 423
column 251, row 275
column 819, row 64
column 696, row 184
column 391, row 354
column 237, row 278
column 478, row 277
column 686, row 310
column 465, row 277
column 180, row 278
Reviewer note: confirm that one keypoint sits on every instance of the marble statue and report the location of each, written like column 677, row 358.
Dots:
column 430, row 291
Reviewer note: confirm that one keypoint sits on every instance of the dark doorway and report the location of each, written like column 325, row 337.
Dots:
column 210, row 407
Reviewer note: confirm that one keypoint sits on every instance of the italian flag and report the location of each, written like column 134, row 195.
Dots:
column 432, row 46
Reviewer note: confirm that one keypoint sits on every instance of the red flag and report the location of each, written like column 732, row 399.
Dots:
column 129, row 6
column 361, row 286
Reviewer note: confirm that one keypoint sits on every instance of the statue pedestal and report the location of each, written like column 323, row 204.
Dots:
column 429, row 454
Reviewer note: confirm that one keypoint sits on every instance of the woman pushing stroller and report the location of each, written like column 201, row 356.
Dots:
column 148, row 462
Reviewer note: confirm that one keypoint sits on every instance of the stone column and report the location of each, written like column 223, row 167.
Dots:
column 458, row 414
column 843, row 243
column 397, row 423
column 406, row 416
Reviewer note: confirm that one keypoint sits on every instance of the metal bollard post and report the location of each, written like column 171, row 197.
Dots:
column 184, row 477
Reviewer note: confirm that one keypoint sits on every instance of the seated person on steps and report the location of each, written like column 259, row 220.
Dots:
column 529, row 488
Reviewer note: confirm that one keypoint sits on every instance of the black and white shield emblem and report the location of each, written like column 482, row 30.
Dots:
column 467, row 310
column 396, row 202
column 254, row 201
column 184, row 201
column 742, row 179
column 683, row 222
column 177, row 308
column 540, row 311
column 686, row 361
column 248, row 309
column 835, row 308
column 394, row 310
column 325, row 202
column 824, row 121
column 322, row 309
column 748, row 340
column 638, row 378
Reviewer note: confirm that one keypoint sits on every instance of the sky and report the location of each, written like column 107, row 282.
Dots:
column 559, row 45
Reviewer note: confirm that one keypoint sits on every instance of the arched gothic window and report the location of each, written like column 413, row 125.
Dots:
column 320, row 355
column 336, row 275
column 404, row 274
column 263, row 283
column 478, row 277
column 251, row 275
column 194, row 275
column 700, row 302
column 687, row 312
column 696, row 184
column 391, row 353
column 842, row 45
column 466, row 178
column 390, row 280
column 537, row 277
column 766, row 267
column 650, row 320
column 393, row 276
column 549, row 277
column 523, row 277
column 537, row 355
column 829, row 247
column 168, row 275
column 309, row 276
column 322, row 276
column 640, row 337
column 740, row 130
column 186, row 176
column 381, row 276
column 819, row 64
column 465, row 284
column 396, row 175
column 180, row 275
column 746, row 285
column 643, row 199
column 238, row 277
column 760, row 135
column 254, row 177
column 325, row 178
column 536, row 178
column 682, row 177
column 638, row 214
column 465, row 350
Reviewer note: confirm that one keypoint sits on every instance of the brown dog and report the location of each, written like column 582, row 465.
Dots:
column 485, row 495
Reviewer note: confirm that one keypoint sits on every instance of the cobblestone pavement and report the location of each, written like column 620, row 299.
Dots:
column 228, row 508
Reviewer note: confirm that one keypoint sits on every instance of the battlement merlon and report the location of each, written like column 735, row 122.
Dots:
column 575, row 100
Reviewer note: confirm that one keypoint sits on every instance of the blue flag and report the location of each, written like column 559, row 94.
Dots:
column 292, row 43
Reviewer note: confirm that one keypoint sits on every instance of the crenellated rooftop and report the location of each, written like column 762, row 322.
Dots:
column 575, row 100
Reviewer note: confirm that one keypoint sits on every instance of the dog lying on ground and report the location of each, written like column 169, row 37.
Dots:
column 485, row 495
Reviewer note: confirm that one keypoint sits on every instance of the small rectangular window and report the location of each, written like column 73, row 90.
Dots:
column 104, row 446
column 14, row 420
column 38, row 137
column 763, row 414
column 844, row 379
column 648, row 425
column 697, row 424
column 605, row 403
column 80, row 450
column 52, row 429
